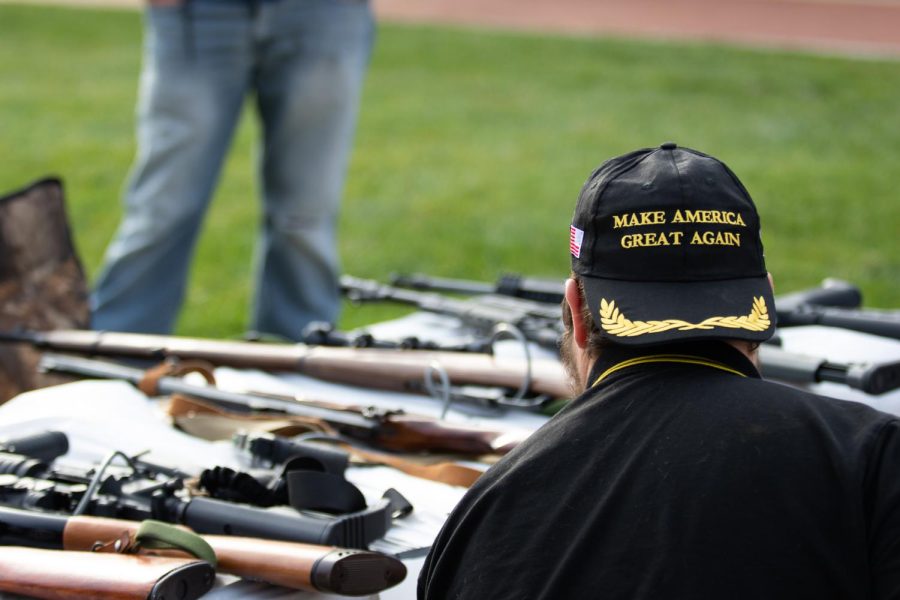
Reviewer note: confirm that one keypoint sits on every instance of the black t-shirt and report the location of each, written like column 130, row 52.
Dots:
column 681, row 474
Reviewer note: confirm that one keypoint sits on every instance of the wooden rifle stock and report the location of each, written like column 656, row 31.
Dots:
column 300, row 566
column 413, row 433
column 401, row 370
column 61, row 575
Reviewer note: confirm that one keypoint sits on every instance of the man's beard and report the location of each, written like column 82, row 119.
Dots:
column 567, row 357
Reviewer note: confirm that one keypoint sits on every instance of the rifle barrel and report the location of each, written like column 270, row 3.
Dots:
column 422, row 282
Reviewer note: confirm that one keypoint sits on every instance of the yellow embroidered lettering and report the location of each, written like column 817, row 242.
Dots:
column 645, row 240
column 655, row 217
column 715, row 238
column 721, row 217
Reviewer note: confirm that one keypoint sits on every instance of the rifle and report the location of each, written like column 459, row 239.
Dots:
column 539, row 322
column 368, row 367
column 871, row 378
column 832, row 292
column 885, row 323
column 295, row 565
column 59, row 575
column 148, row 491
column 878, row 378
column 834, row 303
column 391, row 429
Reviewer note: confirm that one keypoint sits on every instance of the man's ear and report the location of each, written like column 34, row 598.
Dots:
column 576, row 305
column 771, row 282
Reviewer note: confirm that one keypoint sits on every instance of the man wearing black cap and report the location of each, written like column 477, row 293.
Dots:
column 678, row 472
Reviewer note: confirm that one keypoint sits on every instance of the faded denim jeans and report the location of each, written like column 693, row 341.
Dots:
column 303, row 63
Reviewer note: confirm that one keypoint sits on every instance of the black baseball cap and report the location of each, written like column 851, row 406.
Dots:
column 667, row 243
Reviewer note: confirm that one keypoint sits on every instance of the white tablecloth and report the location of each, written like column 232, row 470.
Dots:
column 101, row 416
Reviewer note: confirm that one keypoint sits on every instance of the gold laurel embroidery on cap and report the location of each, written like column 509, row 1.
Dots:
column 615, row 323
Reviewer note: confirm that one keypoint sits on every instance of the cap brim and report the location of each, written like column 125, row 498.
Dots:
column 640, row 313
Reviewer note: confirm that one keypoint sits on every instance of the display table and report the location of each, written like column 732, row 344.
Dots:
column 102, row 416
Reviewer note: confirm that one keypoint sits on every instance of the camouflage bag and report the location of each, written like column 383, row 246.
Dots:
column 42, row 282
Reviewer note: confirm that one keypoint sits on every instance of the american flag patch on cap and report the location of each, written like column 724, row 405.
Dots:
column 575, row 237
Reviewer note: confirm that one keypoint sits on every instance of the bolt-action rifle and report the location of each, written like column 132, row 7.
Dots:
column 792, row 367
column 368, row 367
column 393, row 430
column 56, row 575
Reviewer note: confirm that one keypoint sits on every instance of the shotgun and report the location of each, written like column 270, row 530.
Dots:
column 398, row 370
column 300, row 566
column 60, row 575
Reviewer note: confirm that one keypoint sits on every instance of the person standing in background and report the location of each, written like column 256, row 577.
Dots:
column 303, row 62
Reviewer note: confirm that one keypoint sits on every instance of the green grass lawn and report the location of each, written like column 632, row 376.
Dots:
column 472, row 147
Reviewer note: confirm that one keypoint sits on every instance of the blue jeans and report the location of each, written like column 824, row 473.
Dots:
column 304, row 62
